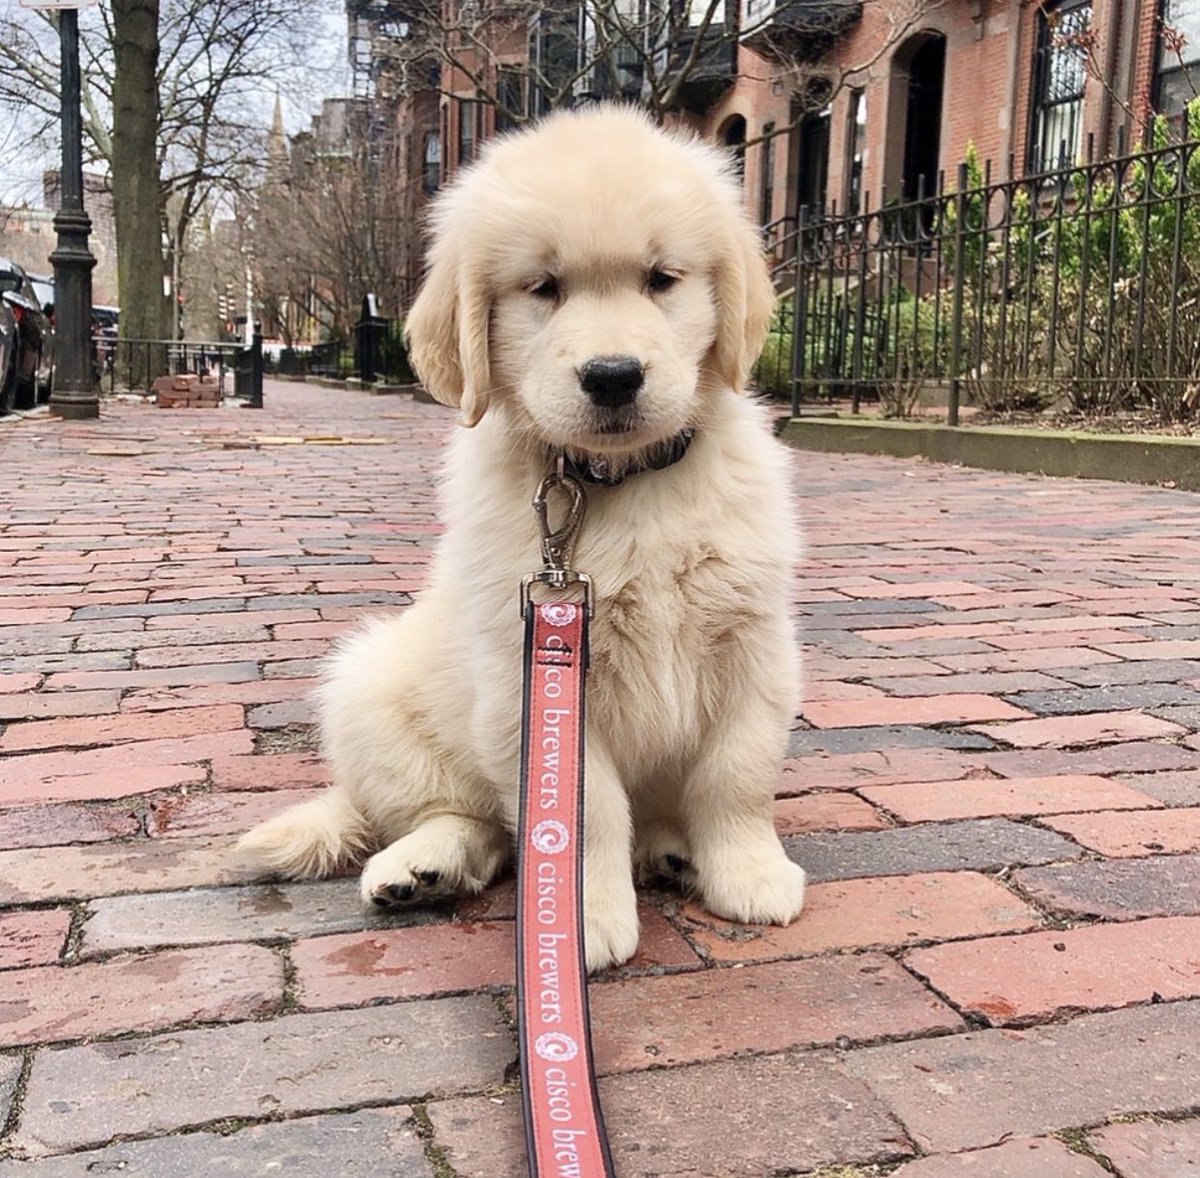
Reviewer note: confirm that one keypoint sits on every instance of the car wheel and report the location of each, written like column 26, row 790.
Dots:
column 26, row 397
column 8, row 386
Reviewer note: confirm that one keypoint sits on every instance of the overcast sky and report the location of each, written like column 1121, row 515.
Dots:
column 326, row 74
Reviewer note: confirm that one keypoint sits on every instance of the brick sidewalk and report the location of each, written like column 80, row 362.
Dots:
column 995, row 787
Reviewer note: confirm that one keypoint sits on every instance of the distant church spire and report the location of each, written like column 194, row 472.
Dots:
column 277, row 144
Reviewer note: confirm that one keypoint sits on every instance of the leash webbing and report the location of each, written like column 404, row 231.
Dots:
column 564, row 1126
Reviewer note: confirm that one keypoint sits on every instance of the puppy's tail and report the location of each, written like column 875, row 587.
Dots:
column 307, row 841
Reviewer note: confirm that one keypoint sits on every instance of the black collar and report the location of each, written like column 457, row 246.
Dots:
column 598, row 470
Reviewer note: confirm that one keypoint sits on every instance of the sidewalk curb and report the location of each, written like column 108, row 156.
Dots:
column 1173, row 462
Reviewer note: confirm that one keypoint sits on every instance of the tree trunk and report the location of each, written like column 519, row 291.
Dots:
column 137, row 191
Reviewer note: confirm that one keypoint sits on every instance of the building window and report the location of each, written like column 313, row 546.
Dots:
column 812, row 188
column 510, row 98
column 1059, row 74
column 699, row 11
column 554, row 49
column 432, row 175
column 856, row 150
column 766, row 204
column 468, row 131
column 1178, row 81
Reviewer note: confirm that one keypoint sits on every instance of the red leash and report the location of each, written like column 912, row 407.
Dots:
column 564, row 1127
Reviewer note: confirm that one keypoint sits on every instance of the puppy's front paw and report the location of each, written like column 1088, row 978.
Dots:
column 770, row 892
column 388, row 883
column 610, row 930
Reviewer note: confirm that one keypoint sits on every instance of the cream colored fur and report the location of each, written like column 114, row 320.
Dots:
column 694, row 675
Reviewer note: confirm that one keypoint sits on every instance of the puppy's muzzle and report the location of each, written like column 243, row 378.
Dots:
column 612, row 382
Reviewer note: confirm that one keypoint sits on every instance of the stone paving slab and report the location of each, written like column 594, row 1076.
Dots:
column 967, row 1091
column 929, row 846
column 1034, row 1157
column 893, row 911
column 372, row 1143
column 10, row 1072
column 1114, row 674
column 44, row 1005
column 807, row 1112
column 158, row 649
column 83, row 1096
column 1108, row 698
column 32, row 938
column 1148, row 1149
column 1120, row 889
column 270, row 911
column 39, row 874
column 1043, row 975
column 688, row 1018
column 982, row 798
column 1133, row 833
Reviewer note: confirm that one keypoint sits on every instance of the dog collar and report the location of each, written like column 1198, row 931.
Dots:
column 599, row 470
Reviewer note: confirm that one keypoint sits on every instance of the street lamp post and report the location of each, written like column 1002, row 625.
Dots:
column 75, row 394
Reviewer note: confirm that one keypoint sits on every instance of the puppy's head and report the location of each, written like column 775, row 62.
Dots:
column 597, row 277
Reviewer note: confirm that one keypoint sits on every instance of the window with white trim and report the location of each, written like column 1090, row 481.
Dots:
column 1059, row 78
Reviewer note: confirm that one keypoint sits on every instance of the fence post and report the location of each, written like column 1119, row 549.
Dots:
column 860, row 318
column 960, row 271
column 799, row 312
column 256, row 369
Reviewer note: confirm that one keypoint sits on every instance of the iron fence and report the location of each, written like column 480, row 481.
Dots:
column 1078, row 287
column 136, row 363
column 376, row 356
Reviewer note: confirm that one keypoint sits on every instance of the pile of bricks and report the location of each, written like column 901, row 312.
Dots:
column 187, row 391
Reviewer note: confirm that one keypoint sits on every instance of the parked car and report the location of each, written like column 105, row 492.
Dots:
column 8, row 358
column 43, row 287
column 35, row 339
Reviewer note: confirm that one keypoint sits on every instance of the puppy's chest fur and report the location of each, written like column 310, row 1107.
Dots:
column 672, row 610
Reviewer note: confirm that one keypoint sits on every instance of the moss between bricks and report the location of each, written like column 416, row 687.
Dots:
column 1122, row 458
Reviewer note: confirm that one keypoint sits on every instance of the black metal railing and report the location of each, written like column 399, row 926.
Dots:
column 376, row 354
column 1078, row 288
column 134, row 364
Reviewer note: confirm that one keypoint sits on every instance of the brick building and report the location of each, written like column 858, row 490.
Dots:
column 27, row 234
column 913, row 83
column 1029, row 85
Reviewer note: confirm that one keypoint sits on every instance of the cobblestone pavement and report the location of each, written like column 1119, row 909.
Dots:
column 994, row 782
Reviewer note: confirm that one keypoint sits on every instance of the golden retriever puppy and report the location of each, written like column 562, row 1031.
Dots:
column 593, row 288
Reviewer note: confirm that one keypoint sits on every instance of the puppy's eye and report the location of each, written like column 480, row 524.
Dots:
column 659, row 280
column 545, row 288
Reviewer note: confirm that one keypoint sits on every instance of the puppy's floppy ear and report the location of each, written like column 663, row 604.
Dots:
column 447, row 331
column 745, row 302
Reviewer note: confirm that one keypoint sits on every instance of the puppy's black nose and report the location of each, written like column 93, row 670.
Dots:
column 612, row 381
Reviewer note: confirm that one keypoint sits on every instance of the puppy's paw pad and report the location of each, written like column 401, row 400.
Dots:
column 388, row 896
column 386, row 886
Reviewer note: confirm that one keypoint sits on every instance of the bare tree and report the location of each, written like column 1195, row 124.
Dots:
column 196, row 115
column 136, row 191
column 330, row 230
column 657, row 53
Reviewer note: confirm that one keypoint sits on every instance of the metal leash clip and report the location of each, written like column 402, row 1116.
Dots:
column 558, row 544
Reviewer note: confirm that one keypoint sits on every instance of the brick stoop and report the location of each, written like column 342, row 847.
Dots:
column 187, row 391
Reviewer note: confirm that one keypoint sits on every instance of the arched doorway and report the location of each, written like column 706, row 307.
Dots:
column 733, row 135
column 916, row 86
